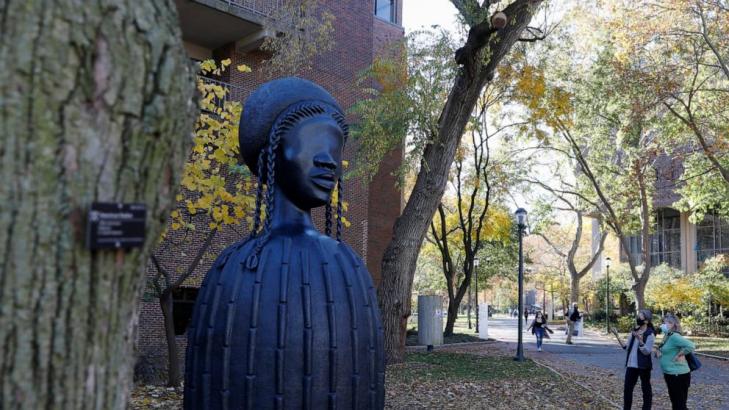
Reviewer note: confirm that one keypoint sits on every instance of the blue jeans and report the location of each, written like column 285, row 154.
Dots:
column 539, row 333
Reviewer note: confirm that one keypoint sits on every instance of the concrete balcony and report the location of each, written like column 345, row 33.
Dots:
column 214, row 23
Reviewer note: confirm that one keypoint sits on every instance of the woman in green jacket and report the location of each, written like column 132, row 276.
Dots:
column 673, row 353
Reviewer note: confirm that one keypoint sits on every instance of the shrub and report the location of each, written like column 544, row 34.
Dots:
column 625, row 323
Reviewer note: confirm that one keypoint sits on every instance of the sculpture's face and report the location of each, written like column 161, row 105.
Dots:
column 310, row 161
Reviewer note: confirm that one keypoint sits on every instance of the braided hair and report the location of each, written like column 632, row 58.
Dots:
column 267, row 162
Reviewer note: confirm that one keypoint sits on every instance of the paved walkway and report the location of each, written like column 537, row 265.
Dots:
column 598, row 362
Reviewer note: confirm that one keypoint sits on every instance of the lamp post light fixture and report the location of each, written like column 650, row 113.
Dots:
column 521, row 223
column 607, row 295
column 475, row 272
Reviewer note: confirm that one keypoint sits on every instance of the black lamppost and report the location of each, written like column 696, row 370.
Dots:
column 521, row 223
column 475, row 272
column 607, row 295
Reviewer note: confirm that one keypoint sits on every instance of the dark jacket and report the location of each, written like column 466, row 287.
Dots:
column 644, row 361
column 575, row 315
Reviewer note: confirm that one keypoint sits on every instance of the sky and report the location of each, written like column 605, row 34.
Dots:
column 418, row 14
column 422, row 14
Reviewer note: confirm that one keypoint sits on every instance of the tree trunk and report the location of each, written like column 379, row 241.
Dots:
column 574, row 289
column 639, row 290
column 401, row 254
column 451, row 319
column 96, row 106
column 454, row 302
column 174, row 375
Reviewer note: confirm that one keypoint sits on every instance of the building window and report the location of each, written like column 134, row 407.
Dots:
column 712, row 237
column 385, row 9
column 665, row 246
column 635, row 244
column 666, row 241
column 183, row 300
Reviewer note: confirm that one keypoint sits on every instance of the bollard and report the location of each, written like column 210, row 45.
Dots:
column 483, row 323
column 430, row 320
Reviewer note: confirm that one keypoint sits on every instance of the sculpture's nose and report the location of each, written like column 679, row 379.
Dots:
column 325, row 160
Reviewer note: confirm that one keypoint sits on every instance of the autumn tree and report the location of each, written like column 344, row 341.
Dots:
column 681, row 47
column 96, row 107
column 215, row 194
column 466, row 220
column 493, row 28
column 588, row 109
column 561, row 199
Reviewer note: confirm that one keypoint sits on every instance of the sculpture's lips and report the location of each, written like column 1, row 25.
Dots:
column 325, row 180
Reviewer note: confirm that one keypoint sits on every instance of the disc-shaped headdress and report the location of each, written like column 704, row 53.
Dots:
column 269, row 112
column 269, row 107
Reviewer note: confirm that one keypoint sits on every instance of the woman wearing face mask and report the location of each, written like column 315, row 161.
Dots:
column 673, row 353
column 539, row 328
column 638, row 363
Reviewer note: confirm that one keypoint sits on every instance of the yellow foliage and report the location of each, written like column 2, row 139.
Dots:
column 217, row 186
column 212, row 173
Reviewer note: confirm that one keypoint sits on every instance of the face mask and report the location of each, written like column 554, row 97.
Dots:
column 664, row 328
column 639, row 321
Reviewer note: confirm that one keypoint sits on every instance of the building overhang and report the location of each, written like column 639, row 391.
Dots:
column 215, row 23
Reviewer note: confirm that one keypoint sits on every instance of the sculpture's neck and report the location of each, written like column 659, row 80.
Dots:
column 288, row 216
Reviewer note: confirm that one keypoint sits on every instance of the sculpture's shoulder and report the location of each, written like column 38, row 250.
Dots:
column 319, row 243
column 239, row 248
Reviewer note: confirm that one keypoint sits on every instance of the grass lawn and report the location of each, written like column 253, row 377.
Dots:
column 461, row 332
column 718, row 346
column 468, row 381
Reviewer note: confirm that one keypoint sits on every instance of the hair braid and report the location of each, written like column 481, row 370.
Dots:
column 259, row 196
column 328, row 218
column 283, row 125
column 340, row 194
column 274, row 140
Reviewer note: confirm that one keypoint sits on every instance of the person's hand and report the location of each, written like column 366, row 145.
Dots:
column 639, row 336
column 680, row 357
column 658, row 353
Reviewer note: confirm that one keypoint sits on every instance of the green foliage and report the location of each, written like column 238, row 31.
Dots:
column 704, row 191
column 713, row 281
column 408, row 87
column 681, row 49
column 625, row 324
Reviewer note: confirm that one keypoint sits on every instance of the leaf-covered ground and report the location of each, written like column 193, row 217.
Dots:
column 462, row 380
column 156, row 397
column 453, row 380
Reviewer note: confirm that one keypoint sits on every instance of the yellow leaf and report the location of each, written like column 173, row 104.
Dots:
column 244, row 68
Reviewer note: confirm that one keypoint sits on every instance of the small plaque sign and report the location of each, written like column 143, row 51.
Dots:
column 115, row 225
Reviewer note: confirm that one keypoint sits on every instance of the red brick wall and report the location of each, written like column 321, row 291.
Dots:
column 358, row 35
column 385, row 198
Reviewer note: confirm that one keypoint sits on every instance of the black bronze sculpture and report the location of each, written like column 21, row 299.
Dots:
column 288, row 318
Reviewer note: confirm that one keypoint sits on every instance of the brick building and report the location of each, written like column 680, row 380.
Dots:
column 235, row 29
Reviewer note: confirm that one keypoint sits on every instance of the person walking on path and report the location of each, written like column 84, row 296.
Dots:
column 526, row 315
column 539, row 329
column 574, row 316
column 638, row 363
column 672, row 353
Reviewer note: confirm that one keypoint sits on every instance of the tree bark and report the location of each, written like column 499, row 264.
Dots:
column 639, row 289
column 400, row 257
column 174, row 375
column 574, row 290
column 96, row 106
column 454, row 301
